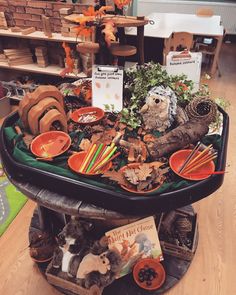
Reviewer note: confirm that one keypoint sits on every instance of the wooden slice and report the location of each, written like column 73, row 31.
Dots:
column 123, row 50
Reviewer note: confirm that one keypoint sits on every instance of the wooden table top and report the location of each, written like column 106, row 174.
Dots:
column 119, row 21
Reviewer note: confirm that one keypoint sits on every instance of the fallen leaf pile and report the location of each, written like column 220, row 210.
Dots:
column 144, row 177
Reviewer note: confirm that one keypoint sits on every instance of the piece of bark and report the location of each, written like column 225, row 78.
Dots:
column 190, row 132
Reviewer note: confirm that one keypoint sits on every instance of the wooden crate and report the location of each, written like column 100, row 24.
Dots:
column 180, row 251
column 70, row 286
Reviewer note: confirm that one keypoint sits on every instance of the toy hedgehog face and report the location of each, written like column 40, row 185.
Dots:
column 157, row 101
column 104, row 259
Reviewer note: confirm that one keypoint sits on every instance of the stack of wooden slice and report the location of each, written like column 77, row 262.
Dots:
column 17, row 57
column 42, row 56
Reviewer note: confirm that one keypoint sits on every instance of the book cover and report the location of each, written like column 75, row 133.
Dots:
column 135, row 241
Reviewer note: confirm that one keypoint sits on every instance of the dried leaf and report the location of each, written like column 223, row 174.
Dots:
column 116, row 176
column 144, row 172
column 85, row 144
column 132, row 175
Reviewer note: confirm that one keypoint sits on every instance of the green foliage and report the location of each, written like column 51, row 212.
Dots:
column 138, row 82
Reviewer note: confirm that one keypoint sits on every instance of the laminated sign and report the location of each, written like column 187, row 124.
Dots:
column 188, row 63
column 107, row 87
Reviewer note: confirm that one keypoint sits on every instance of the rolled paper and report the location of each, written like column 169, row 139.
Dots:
column 107, row 157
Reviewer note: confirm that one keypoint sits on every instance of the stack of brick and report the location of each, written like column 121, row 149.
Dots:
column 3, row 22
column 42, row 56
column 27, row 13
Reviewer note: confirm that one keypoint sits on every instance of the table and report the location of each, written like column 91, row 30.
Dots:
column 163, row 25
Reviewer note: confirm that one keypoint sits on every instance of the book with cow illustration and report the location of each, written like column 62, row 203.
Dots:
column 135, row 241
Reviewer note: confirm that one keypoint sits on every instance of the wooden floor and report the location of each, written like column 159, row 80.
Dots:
column 212, row 271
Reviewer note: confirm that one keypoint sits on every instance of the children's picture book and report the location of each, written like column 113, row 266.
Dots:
column 135, row 241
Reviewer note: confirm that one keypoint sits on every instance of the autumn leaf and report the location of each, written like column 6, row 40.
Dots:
column 144, row 172
column 132, row 175
column 116, row 176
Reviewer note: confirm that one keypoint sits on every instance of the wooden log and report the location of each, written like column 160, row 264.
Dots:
column 178, row 138
column 15, row 29
column 88, row 47
column 28, row 31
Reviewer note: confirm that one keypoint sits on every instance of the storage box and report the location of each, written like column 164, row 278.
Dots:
column 70, row 284
column 178, row 251
column 5, row 107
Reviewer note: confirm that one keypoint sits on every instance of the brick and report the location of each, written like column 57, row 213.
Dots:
column 12, row 8
column 37, row 4
column 20, row 9
column 65, row 30
column 4, row 8
column 57, row 7
column 48, row 12
column 3, row 2
column 34, row 10
column 35, row 17
column 17, row 2
column 36, row 24
column 55, row 21
column 19, row 22
column 20, row 16
column 49, row 5
column 56, row 14
column 80, row 8
column 57, row 29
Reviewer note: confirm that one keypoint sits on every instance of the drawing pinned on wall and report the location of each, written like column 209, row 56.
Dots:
column 107, row 86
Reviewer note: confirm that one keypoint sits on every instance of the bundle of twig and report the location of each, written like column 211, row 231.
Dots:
column 197, row 159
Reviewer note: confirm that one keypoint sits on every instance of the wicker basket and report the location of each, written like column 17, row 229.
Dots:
column 179, row 251
column 70, row 286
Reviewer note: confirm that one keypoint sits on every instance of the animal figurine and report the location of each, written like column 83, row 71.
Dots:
column 160, row 109
column 72, row 243
column 91, row 262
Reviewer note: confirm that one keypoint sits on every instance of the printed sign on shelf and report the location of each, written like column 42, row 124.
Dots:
column 107, row 87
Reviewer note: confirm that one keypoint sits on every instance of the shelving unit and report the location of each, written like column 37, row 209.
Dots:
column 38, row 35
column 33, row 68
column 53, row 70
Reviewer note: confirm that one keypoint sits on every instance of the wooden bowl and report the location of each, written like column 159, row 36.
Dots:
column 78, row 113
column 58, row 141
column 75, row 161
column 145, row 263
column 178, row 158
column 131, row 190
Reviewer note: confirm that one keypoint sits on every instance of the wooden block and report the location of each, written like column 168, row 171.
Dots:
column 3, row 28
column 41, row 51
column 47, row 26
column 28, row 31
column 65, row 30
column 15, row 29
column 42, row 60
column 66, row 11
column 65, row 34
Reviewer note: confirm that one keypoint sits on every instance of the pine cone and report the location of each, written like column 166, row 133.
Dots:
column 88, row 131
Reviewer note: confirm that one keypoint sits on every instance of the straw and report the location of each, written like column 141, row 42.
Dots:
column 94, row 157
column 105, row 154
column 208, row 173
column 190, row 157
column 105, row 163
column 87, row 157
column 107, row 158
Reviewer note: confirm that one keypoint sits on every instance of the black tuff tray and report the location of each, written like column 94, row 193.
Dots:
column 123, row 202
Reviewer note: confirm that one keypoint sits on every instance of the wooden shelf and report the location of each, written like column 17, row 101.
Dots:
column 33, row 68
column 38, row 35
